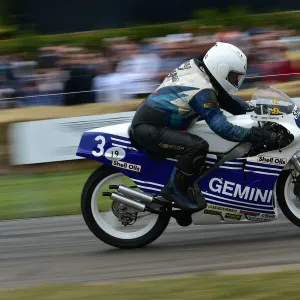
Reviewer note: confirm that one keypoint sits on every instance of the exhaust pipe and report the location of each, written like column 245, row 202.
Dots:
column 133, row 193
column 131, row 203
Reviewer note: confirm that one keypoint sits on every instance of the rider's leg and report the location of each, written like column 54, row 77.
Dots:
column 192, row 150
column 188, row 165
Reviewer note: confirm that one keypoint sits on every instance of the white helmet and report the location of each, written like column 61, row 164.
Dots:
column 228, row 65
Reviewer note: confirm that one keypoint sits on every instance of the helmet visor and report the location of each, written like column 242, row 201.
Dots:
column 235, row 78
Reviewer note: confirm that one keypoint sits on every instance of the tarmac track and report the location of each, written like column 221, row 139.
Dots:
column 62, row 250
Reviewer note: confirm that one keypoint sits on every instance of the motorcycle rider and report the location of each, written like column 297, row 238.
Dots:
column 195, row 89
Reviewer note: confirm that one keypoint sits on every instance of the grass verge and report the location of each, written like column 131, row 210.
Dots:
column 45, row 195
column 275, row 286
column 41, row 195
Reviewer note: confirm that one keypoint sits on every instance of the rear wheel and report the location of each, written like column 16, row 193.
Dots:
column 112, row 222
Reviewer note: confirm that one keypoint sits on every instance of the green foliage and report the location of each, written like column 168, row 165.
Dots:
column 11, row 40
column 238, row 16
column 243, row 18
column 90, row 40
column 209, row 17
column 7, row 32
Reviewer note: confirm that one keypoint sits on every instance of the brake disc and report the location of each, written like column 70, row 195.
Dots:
column 297, row 186
column 125, row 214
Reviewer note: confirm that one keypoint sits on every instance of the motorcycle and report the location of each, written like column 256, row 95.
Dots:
column 240, row 182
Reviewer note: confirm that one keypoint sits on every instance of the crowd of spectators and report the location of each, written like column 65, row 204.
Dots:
column 124, row 69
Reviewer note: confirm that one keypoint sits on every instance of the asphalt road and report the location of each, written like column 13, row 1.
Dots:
column 62, row 250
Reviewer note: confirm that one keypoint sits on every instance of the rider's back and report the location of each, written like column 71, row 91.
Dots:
column 174, row 94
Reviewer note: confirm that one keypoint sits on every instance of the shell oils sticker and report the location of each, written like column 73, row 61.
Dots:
column 272, row 160
column 127, row 166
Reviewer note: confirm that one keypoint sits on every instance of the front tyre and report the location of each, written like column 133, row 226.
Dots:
column 103, row 222
column 287, row 200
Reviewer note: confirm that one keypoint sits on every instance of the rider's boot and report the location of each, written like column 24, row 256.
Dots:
column 177, row 191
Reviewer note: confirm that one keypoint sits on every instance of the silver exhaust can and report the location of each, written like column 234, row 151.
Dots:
column 129, row 202
column 135, row 194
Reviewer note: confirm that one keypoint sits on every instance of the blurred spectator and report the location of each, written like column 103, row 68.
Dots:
column 137, row 71
column 78, row 87
column 107, row 84
column 124, row 69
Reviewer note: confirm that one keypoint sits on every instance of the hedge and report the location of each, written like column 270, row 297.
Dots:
column 209, row 20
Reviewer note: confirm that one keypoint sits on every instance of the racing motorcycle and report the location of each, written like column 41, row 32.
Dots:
column 240, row 182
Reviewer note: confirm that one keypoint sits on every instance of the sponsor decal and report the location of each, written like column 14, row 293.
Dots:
column 212, row 212
column 210, row 104
column 296, row 114
column 250, row 218
column 268, row 216
column 249, row 213
column 222, row 208
column 272, row 160
column 127, row 166
column 232, row 189
column 173, row 75
column 184, row 66
column 267, row 118
column 275, row 111
column 233, row 216
column 169, row 146
column 115, row 153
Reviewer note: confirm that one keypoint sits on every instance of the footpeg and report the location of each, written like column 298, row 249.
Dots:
column 106, row 194
column 113, row 186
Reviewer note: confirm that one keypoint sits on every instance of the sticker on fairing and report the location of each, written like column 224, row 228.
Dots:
column 250, row 218
column 127, row 166
column 115, row 153
column 272, row 160
column 233, row 216
column 296, row 114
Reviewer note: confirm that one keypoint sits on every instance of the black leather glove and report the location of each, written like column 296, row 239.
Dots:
column 263, row 136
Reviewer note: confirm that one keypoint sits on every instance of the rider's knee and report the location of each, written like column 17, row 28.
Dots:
column 201, row 147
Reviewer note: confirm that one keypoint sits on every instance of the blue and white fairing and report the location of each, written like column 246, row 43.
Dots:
column 242, row 186
column 238, row 184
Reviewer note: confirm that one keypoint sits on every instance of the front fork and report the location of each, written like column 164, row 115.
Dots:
column 295, row 161
column 296, row 179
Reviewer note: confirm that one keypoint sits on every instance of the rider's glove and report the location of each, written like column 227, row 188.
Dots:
column 263, row 136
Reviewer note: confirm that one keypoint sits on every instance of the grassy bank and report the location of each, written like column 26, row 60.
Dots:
column 45, row 195
column 41, row 195
column 275, row 286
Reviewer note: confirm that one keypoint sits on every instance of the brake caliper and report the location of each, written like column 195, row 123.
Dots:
column 124, row 213
column 297, row 186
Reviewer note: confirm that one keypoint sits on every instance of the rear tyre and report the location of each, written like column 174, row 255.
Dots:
column 100, row 228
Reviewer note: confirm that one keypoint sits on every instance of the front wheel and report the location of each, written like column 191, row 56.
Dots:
column 288, row 202
column 104, row 217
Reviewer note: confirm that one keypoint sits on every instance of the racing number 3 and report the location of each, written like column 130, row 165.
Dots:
column 99, row 146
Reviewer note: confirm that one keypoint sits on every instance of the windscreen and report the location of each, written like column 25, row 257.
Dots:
column 271, row 101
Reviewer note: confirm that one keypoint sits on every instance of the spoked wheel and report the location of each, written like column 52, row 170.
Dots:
column 112, row 222
column 288, row 202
